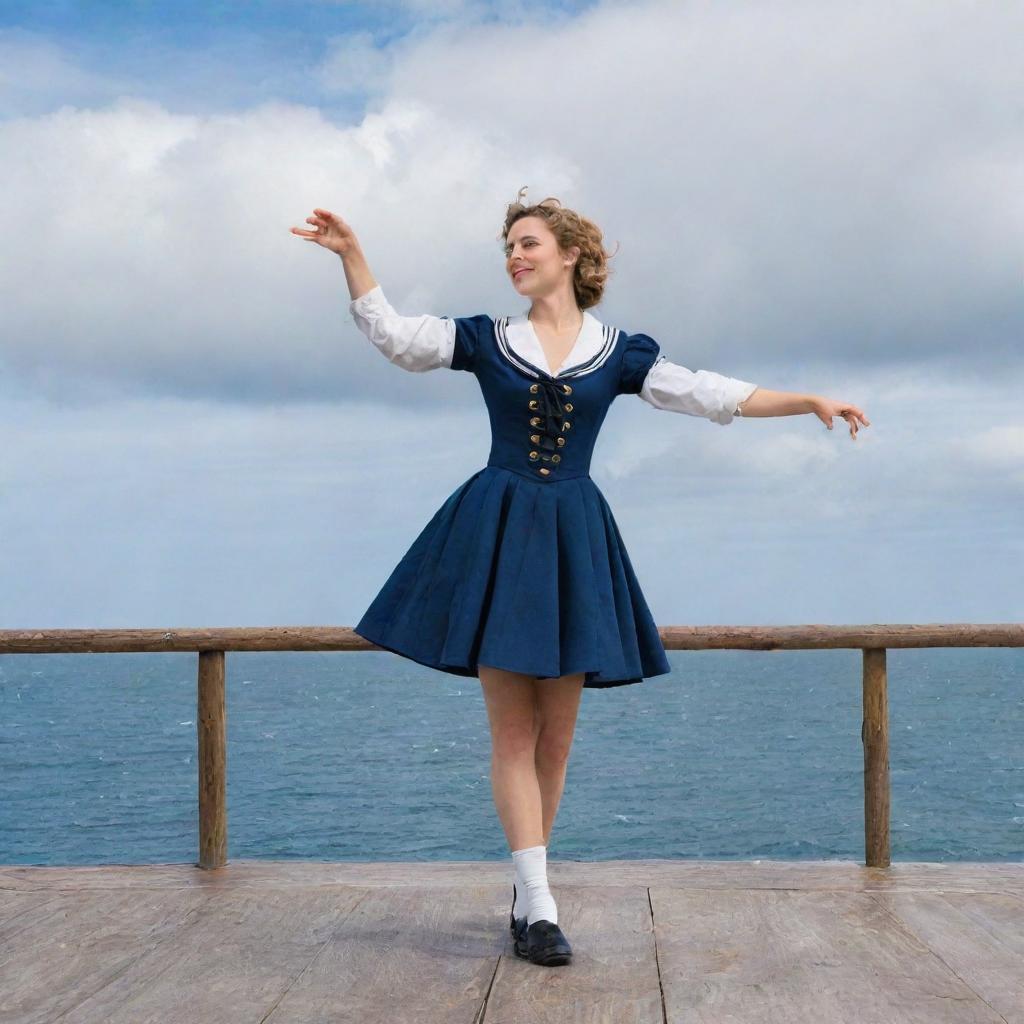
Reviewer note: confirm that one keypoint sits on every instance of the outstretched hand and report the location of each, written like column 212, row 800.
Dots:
column 332, row 232
column 826, row 408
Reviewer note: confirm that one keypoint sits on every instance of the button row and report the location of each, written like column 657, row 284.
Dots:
column 552, row 421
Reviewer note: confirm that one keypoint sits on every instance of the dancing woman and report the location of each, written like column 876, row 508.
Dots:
column 521, row 578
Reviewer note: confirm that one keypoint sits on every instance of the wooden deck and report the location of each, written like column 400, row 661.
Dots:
column 310, row 942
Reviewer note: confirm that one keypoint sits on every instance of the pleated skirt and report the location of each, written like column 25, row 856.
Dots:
column 522, row 575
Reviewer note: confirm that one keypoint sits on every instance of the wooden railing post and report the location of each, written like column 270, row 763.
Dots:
column 874, row 734
column 212, row 761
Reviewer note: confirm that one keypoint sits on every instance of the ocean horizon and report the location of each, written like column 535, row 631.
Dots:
column 366, row 756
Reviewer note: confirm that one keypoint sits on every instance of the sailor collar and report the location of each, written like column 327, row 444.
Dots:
column 519, row 344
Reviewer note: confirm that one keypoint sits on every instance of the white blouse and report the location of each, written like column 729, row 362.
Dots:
column 420, row 343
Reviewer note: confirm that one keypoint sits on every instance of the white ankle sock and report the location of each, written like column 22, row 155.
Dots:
column 532, row 893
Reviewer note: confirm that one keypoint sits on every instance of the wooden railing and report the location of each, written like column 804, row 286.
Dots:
column 211, row 645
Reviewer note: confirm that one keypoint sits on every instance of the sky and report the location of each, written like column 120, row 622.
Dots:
column 819, row 197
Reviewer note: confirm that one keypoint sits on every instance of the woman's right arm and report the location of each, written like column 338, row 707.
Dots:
column 415, row 343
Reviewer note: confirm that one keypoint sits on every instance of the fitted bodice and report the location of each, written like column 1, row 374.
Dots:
column 545, row 427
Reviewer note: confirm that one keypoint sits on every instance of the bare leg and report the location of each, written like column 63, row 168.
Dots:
column 509, row 697
column 558, row 702
column 532, row 723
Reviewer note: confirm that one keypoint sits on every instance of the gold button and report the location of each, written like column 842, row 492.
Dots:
column 567, row 389
column 534, row 421
column 534, row 456
column 566, row 424
column 535, row 388
column 560, row 440
column 556, row 458
column 568, row 406
column 545, row 471
column 533, row 404
column 535, row 438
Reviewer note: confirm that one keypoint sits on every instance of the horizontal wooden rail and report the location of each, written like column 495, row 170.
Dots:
column 211, row 715
column 342, row 638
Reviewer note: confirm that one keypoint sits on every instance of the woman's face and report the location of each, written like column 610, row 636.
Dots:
column 533, row 261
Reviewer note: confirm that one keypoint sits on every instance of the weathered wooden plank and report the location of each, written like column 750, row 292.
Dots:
column 835, row 875
column 403, row 955
column 230, row 961
column 613, row 976
column 758, row 941
column 979, row 935
column 80, row 943
column 16, row 907
column 774, row 957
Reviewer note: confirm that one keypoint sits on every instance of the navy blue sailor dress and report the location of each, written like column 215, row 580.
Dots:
column 523, row 566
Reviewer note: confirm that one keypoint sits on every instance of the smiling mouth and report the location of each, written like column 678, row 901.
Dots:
column 515, row 276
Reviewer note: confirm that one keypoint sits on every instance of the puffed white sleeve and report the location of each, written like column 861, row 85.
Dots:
column 415, row 343
column 695, row 392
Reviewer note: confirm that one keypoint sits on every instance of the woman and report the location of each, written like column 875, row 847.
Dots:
column 521, row 577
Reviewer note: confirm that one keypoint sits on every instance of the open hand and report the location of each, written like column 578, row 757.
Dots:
column 331, row 232
column 826, row 408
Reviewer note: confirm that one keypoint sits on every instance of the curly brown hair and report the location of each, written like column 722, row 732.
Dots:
column 569, row 228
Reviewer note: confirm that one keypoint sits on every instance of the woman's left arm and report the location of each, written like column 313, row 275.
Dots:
column 765, row 402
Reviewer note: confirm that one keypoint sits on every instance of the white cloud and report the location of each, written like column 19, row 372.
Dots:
column 354, row 64
column 155, row 247
column 770, row 193
column 997, row 448
column 799, row 175
column 816, row 197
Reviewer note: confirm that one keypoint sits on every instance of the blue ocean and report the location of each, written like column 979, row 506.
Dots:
column 368, row 756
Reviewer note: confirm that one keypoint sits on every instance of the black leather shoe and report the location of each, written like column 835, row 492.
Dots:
column 542, row 943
